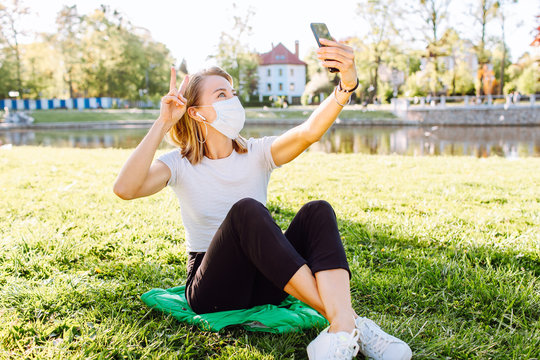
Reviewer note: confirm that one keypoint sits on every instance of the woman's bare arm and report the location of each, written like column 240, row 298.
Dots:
column 293, row 142
column 139, row 177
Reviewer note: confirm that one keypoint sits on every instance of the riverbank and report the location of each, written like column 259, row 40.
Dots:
column 109, row 119
column 444, row 253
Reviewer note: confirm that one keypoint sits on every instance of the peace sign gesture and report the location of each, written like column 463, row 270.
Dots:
column 173, row 105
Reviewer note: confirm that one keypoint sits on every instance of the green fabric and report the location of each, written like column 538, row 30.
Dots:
column 291, row 315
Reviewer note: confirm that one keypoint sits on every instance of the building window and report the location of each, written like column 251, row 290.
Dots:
column 269, row 87
column 280, row 72
column 280, row 86
column 269, row 72
column 291, row 86
column 292, row 72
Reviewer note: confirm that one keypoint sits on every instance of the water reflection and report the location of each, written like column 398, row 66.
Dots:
column 110, row 138
column 413, row 141
column 469, row 141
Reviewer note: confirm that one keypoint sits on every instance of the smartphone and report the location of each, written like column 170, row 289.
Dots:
column 320, row 30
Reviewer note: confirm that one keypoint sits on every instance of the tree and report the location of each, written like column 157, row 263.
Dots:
column 536, row 41
column 524, row 75
column 454, row 51
column 183, row 67
column 68, row 42
column 119, row 59
column 234, row 56
column 485, row 11
column 433, row 14
column 8, row 72
column 41, row 77
column 10, row 17
column 381, row 17
column 319, row 80
column 502, row 6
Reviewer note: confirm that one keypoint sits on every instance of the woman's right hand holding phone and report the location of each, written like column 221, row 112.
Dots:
column 173, row 105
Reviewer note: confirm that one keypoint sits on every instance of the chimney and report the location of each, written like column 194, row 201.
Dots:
column 296, row 47
column 272, row 46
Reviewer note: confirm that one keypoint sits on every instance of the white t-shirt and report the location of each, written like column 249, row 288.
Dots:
column 207, row 191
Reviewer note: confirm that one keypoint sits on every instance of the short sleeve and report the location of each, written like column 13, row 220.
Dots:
column 262, row 149
column 173, row 160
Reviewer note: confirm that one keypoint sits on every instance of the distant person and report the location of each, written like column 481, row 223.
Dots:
column 238, row 257
column 517, row 97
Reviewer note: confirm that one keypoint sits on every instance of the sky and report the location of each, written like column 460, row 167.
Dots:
column 191, row 29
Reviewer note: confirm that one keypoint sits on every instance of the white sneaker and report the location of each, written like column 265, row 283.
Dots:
column 333, row 346
column 375, row 343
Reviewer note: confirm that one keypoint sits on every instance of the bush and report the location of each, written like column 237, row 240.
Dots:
column 528, row 82
column 415, row 86
column 255, row 102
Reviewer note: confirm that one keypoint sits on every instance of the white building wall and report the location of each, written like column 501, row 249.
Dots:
column 298, row 78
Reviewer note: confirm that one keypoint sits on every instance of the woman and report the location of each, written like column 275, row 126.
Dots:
column 238, row 256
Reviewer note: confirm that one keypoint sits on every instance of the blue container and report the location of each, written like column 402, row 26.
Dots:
column 86, row 103
column 26, row 104
column 63, row 104
column 2, row 105
column 38, row 104
column 50, row 103
column 14, row 104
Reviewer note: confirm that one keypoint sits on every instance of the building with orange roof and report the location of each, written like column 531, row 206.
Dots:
column 282, row 73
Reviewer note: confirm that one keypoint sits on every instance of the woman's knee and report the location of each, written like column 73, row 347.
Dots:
column 247, row 207
column 319, row 207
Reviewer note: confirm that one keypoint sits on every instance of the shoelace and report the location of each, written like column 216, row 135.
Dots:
column 349, row 349
column 376, row 342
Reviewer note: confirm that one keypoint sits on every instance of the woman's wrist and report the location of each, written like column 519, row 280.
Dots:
column 341, row 98
column 346, row 87
column 162, row 125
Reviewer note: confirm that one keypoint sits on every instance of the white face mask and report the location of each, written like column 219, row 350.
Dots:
column 230, row 117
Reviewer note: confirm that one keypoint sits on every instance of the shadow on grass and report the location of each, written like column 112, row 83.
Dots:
column 430, row 295
column 443, row 300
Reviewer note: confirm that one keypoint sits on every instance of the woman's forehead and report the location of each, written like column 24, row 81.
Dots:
column 214, row 82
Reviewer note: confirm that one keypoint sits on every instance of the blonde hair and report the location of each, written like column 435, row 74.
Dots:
column 187, row 133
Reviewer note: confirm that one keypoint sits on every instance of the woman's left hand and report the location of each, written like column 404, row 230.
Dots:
column 339, row 56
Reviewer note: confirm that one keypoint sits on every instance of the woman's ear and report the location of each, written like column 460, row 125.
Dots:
column 194, row 114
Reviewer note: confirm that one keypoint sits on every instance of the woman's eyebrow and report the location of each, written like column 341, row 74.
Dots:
column 223, row 89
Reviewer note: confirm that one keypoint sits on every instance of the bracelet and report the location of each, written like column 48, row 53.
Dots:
column 341, row 89
column 336, row 100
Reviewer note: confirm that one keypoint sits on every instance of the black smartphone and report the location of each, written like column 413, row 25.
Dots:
column 320, row 30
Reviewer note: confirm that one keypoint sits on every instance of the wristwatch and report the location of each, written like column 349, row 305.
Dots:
column 341, row 89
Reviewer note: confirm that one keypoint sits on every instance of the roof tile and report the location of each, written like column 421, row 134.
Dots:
column 279, row 55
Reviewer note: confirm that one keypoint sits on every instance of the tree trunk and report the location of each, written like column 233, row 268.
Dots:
column 376, row 79
column 502, row 70
column 503, row 55
column 18, row 58
column 454, row 78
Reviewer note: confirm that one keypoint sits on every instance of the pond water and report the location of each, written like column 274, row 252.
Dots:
column 413, row 141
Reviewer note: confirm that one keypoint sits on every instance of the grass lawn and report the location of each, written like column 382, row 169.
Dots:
column 45, row 116
column 444, row 251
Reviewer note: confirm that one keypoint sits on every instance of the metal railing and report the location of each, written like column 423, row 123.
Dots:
column 454, row 102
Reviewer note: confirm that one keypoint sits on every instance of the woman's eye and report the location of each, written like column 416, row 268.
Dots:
column 220, row 94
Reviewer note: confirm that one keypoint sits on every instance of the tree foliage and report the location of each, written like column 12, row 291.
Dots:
column 382, row 17
column 11, row 32
column 98, row 54
column 235, row 57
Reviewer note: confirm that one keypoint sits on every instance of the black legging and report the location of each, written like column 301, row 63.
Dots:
column 250, row 260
